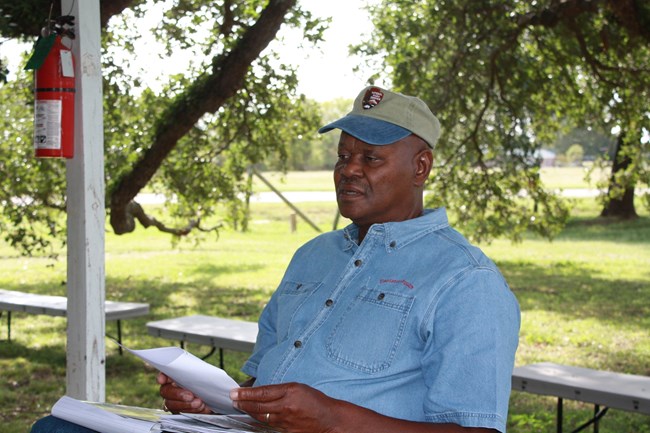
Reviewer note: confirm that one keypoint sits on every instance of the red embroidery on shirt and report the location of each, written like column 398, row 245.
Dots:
column 404, row 282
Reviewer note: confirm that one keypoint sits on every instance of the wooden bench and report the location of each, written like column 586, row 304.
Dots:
column 216, row 332
column 32, row 303
column 613, row 390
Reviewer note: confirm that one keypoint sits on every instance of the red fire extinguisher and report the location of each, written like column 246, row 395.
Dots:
column 54, row 90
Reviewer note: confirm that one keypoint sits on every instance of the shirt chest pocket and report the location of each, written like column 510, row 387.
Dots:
column 291, row 297
column 367, row 336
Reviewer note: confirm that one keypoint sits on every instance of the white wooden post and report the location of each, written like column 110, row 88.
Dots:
column 86, row 214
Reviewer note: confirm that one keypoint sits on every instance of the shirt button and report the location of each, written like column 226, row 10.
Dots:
column 381, row 296
column 392, row 244
column 329, row 302
column 357, row 263
column 297, row 344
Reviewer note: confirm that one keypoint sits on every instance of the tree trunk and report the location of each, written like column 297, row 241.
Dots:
column 621, row 207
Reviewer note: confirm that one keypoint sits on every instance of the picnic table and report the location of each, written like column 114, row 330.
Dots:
column 216, row 332
column 51, row 305
column 602, row 388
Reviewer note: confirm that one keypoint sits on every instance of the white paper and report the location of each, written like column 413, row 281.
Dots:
column 185, row 424
column 211, row 384
column 94, row 418
column 232, row 423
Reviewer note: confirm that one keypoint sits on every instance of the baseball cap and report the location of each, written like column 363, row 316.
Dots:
column 380, row 117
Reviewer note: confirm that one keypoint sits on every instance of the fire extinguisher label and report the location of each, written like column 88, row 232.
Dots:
column 67, row 67
column 47, row 124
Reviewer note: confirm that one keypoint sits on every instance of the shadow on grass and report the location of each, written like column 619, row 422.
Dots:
column 207, row 270
column 567, row 288
column 46, row 355
column 563, row 287
column 636, row 231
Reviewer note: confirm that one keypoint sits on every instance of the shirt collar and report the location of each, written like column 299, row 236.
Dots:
column 398, row 234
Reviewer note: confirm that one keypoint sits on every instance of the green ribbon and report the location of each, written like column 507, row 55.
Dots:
column 42, row 48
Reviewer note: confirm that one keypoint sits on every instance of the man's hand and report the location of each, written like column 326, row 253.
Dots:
column 179, row 399
column 298, row 408
column 293, row 407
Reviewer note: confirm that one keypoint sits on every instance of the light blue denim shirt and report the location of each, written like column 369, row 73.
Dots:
column 415, row 323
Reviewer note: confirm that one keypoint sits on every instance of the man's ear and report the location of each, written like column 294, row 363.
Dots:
column 423, row 164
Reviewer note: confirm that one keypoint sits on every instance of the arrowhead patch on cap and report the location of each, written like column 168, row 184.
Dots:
column 373, row 97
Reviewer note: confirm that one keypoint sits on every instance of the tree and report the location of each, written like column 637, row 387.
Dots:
column 234, row 106
column 319, row 152
column 505, row 76
column 574, row 154
column 594, row 143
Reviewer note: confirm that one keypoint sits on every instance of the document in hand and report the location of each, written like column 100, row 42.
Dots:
column 211, row 384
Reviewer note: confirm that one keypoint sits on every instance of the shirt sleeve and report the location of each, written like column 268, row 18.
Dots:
column 471, row 335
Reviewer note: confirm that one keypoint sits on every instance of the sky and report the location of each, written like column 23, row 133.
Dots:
column 328, row 73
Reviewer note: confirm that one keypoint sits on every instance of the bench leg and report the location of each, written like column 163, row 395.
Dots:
column 118, row 338
column 207, row 355
column 8, row 325
column 119, row 335
column 559, row 415
column 598, row 414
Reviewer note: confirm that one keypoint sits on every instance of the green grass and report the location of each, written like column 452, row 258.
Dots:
column 585, row 300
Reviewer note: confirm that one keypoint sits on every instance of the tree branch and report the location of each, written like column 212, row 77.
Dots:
column 136, row 212
column 206, row 95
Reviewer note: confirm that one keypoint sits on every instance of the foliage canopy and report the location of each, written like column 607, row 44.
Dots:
column 234, row 106
column 505, row 77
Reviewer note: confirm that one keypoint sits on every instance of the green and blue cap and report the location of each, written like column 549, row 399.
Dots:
column 381, row 117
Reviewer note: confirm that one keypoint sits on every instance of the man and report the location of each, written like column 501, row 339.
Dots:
column 394, row 324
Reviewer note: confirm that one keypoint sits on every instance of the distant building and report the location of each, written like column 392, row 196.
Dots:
column 546, row 157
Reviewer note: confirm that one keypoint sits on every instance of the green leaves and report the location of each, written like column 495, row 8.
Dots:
column 213, row 126
column 32, row 191
column 506, row 78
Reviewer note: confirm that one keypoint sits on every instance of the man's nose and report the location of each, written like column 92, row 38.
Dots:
column 352, row 167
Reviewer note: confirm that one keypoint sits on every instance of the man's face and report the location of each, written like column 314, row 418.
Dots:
column 377, row 184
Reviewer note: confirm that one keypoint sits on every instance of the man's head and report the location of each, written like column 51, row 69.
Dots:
column 384, row 157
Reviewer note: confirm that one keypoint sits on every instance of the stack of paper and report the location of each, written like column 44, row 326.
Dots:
column 211, row 384
column 214, row 423
column 109, row 418
column 92, row 416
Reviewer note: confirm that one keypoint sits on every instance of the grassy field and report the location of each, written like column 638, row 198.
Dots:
column 585, row 300
column 553, row 178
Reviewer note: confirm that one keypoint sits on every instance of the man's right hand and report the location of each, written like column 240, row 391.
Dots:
column 179, row 399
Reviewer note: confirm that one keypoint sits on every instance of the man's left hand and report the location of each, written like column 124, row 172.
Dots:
column 293, row 407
